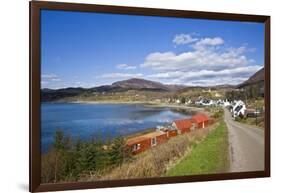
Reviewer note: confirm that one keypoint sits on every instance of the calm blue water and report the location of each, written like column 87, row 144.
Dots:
column 104, row 121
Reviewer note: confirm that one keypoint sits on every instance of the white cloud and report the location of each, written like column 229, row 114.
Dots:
column 121, row 75
column 49, row 78
column 204, row 58
column 126, row 67
column 217, row 81
column 182, row 77
column 77, row 84
column 181, row 39
column 44, row 82
column 210, row 42
column 206, row 77
column 207, row 63
column 53, row 81
column 56, row 79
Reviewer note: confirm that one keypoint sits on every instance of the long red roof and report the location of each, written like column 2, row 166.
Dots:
column 183, row 123
column 199, row 118
column 144, row 137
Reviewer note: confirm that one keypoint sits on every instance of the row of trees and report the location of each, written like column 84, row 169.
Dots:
column 69, row 159
column 248, row 92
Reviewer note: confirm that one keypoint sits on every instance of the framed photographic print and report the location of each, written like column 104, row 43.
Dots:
column 123, row 96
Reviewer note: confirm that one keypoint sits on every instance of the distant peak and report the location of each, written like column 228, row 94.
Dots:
column 255, row 78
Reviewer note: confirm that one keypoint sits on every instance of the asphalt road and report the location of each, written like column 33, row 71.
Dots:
column 246, row 146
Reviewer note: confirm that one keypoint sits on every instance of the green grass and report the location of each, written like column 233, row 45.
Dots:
column 209, row 156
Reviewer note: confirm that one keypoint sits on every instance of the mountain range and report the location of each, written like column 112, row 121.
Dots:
column 254, row 79
column 137, row 85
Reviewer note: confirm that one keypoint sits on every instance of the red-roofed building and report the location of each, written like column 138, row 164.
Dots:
column 143, row 142
column 169, row 130
column 200, row 120
column 172, row 133
column 183, row 125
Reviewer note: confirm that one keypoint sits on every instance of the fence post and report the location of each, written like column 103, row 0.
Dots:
column 256, row 117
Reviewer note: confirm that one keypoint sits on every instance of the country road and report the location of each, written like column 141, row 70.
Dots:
column 246, row 146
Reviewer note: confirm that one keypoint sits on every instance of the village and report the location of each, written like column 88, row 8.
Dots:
column 162, row 134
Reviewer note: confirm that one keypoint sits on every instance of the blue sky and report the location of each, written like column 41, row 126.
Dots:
column 90, row 49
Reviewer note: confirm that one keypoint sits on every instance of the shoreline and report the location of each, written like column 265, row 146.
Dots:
column 152, row 104
column 182, row 109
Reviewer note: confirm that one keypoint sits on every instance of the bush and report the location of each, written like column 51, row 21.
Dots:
column 217, row 113
column 68, row 160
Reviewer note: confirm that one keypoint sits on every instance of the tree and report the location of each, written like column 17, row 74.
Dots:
column 119, row 153
column 87, row 157
column 62, row 143
column 58, row 145
column 183, row 100
column 68, row 159
column 58, row 140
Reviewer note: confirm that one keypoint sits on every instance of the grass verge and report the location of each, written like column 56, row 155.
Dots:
column 209, row 156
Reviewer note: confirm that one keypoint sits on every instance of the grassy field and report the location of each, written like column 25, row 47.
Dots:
column 209, row 156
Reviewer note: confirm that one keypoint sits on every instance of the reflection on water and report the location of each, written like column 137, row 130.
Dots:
column 100, row 121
